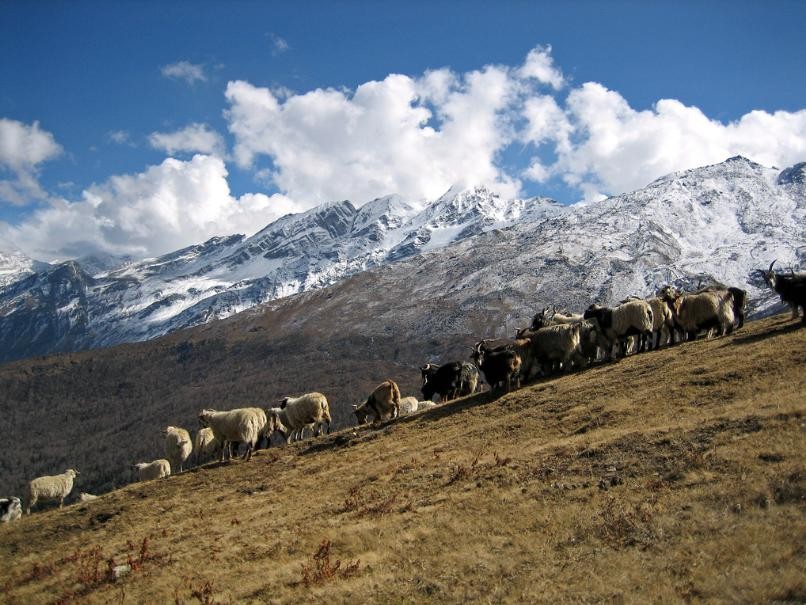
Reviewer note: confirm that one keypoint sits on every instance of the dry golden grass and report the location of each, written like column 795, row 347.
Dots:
column 675, row 475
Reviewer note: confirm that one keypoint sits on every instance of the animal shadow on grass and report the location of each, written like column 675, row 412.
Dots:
column 747, row 339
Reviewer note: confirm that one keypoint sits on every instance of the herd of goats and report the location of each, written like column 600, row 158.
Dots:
column 554, row 342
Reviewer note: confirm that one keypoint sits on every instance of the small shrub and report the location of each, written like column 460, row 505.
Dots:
column 321, row 570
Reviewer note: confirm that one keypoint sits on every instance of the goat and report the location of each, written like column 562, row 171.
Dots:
column 791, row 288
column 501, row 367
column 631, row 318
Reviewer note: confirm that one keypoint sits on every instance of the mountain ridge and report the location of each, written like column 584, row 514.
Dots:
column 713, row 223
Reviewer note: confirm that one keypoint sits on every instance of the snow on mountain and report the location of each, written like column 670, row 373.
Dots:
column 14, row 265
column 716, row 223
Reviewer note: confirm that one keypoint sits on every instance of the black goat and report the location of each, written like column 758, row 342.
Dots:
column 791, row 288
column 501, row 366
column 445, row 379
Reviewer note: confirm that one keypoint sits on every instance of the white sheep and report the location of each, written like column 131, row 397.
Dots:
column 85, row 497
column 296, row 413
column 242, row 425
column 152, row 470
column 10, row 509
column 408, row 405
column 51, row 487
column 205, row 445
column 178, row 446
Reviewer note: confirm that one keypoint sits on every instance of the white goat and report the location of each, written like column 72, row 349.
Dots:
column 631, row 318
column 50, row 487
column 146, row 471
column 178, row 446
column 242, row 425
column 702, row 311
column 296, row 413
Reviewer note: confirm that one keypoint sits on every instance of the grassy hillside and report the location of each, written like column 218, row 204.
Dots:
column 673, row 475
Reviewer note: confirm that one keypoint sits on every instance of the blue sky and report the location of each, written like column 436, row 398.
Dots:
column 140, row 127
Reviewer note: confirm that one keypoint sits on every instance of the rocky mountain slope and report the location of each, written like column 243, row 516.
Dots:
column 471, row 250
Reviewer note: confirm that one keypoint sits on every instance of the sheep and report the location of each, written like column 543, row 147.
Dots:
column 501, row 367
column 244, row 425
column 295, row 413
column 205, row 444
column 701, row 311
column 10, row 509
column 52, row 487
column 178, row 446
column 408, row 405
column 632, row 318
column 383, row 403
column 791, row 288
column 85, row 497
column 425, row 405
column 146, row 471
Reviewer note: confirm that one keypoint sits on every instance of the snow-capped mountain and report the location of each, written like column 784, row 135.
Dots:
column 100, row 301
column 716, row 223
column 14, row 265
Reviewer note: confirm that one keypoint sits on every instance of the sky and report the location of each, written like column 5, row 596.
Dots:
column 139, row 128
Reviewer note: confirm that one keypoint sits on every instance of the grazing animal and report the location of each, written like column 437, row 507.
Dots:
column 501, row 367
column 558, row 346
column 791, row 288
column 296, row 413
column 146, row 471
column 10, row 509
column 408, row 405
column 632, row 318
column 446, row 380
column 243, row 425
column 383, row 403
column 706, row 310
column 51, row 487
column 205, row 445
column 178, row 446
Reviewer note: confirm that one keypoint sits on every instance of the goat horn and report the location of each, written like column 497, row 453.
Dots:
column 771, row 264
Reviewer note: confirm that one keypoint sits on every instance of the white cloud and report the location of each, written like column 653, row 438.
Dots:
column 416, row 137
column 195, row 138
column 184, row 70
column 120, row 137
column 279, row 45
column 22, row 149
column 166, row 207
column 539, row 65
column 618, row 149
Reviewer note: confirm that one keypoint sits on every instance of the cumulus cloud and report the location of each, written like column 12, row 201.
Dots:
column 416, row 135
column 539, row 64
column 615, row 148
column 168, row 206
column 184, row 70
column 22, row 149
column 413, row 136
column 195, row 138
